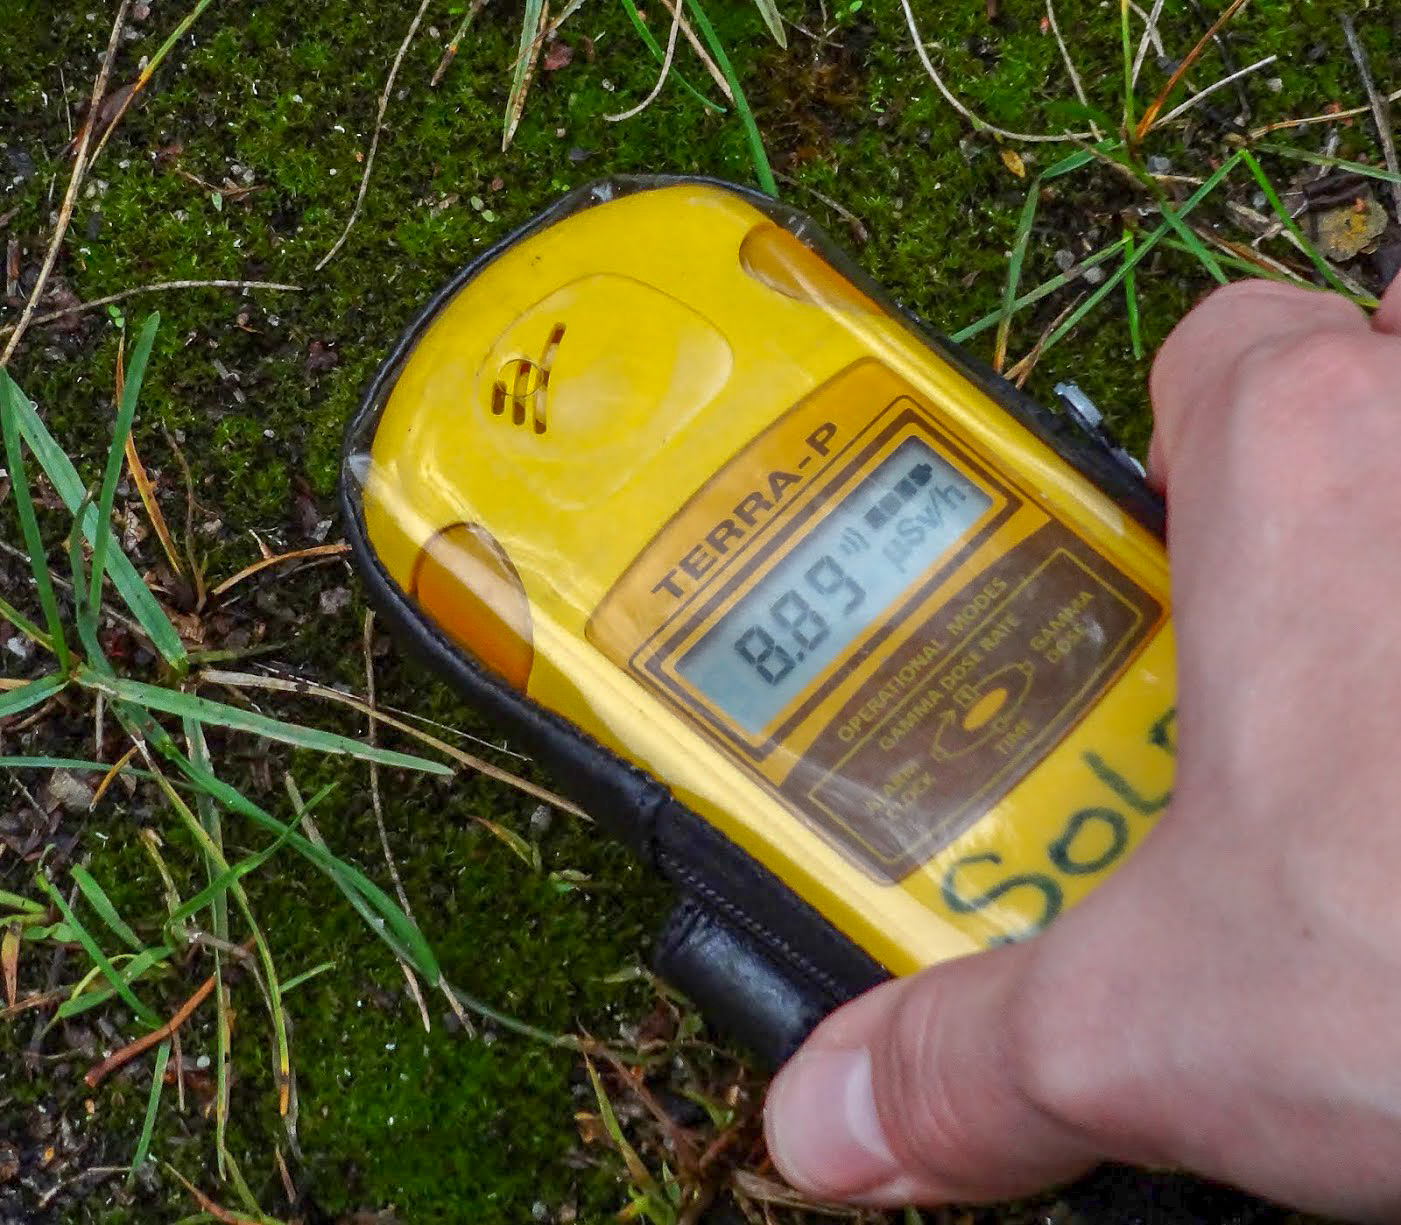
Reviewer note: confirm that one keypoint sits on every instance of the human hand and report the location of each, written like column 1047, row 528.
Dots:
column 1230, row 1001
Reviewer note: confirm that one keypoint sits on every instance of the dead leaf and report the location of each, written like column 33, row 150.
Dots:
column 67, row 791
column 321, row 356
column 1346, row 231
column 334, row 601
column 107, row 114
column 558, row 54
column 9, row 962
column 1013, row 161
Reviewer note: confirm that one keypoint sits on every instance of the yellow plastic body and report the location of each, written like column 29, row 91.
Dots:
column 577, row 399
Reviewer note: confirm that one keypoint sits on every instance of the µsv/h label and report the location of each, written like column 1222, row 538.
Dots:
column 970, row 701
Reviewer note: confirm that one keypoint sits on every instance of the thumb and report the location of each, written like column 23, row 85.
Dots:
column 919, row 1092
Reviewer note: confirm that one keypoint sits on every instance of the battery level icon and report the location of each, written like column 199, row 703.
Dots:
column 890, row 503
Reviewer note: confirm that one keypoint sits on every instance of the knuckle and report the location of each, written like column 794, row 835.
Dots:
column 1284, row 395
column 924, row 1124
column 1063, row 1051
column 1310, row 371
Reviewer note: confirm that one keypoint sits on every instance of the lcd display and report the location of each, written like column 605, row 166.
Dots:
column 833, row 584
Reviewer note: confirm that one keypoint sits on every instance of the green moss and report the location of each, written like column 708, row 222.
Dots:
column 445, row 1127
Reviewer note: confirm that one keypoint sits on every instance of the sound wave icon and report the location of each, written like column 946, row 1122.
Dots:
column 852, row 542
column 525, row 385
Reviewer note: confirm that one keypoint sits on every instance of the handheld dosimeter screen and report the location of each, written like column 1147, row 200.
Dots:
column 841, row 577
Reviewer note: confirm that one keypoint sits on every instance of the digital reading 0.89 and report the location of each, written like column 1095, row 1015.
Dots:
column 833, row 584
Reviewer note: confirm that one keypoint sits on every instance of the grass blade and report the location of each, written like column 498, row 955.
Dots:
column 148, row 1127
column 358, row 903
column 225, row 880
column 640, row 1175
column 219, row 920
column 102, row 904
column 1131, row 300
column 630, row 7
column 1043, row 290
column 1333, row 163
column 532, row 36
column 219, row 714
column 1132, row 261
column 1127, row 41
column 1073, row 161
column 134, row 969
column 1325, row 269
column 98, row 957
column 16, row 902
column 306, row 976
column 25, row 625
column 768, row 10
column 69, row 487
column 282, row 1049
column 10, row 397
column 762, row 170
column 41, row 690
column 389, row 919
column 85, row 613
column 1014, row 273
column 116, row 453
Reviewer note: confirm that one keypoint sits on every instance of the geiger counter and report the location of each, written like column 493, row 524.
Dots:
column 862, row 649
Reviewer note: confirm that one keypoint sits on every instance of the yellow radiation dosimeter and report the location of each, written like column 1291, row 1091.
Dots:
column 866, row 652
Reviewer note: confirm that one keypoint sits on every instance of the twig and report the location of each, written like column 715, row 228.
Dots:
column 372, row 737
column 42, row 1000
column 144, row 1043
column 110, row 613
column 148, row 72
column 1228, row 61
column 980, row 125
column 699, row 48
column 1212, row 88
column 75, row 181
column 292, row 678
column 1325, row 117
column 319, row 550
column 661, row 76
column 155, row 287
column 1150, row 38
column 374, row 139
column 1380, row 111
column 858, row 227
column 450, row 51
column 1251, row 255
column 1021, row 371
column 1075, row 81
column 249, row 680
column 97, row 1172
column 217, row 1211
column 1150, row 116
